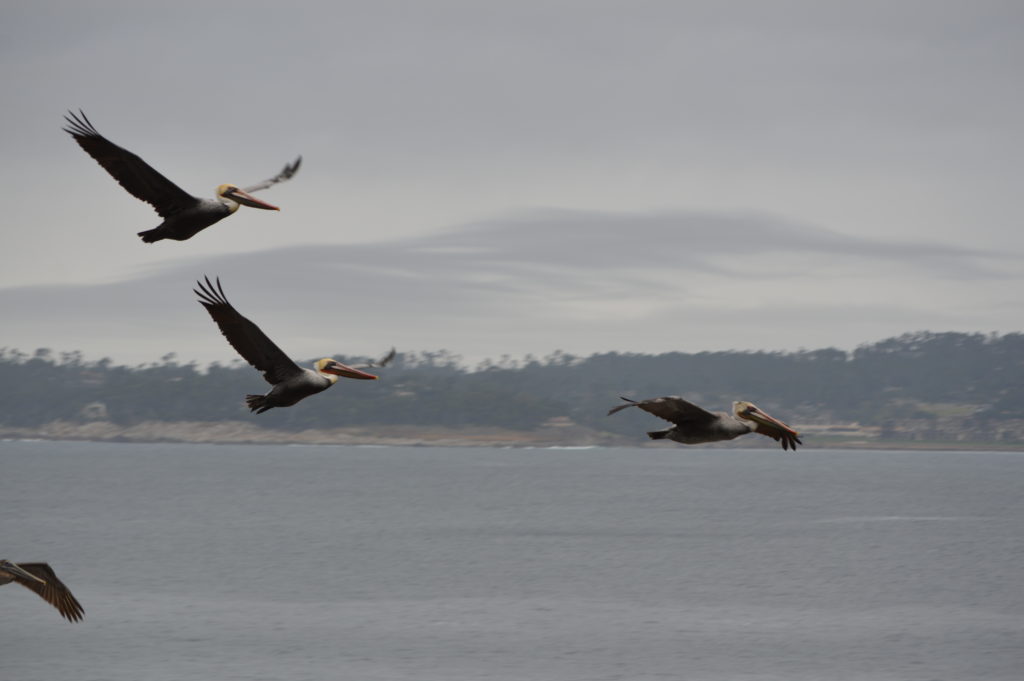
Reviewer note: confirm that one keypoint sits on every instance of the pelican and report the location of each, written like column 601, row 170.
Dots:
column 184, row 215
column 379, row 363
column 291, row 382
column 40, row 577
column 694, row 425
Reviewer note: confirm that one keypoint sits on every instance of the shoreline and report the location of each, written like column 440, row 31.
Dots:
column 240, row 432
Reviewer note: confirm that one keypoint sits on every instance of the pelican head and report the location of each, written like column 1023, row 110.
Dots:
column 743, row 409
column 13, row 569
column 334, row 368
column 748, row 411
column 234, row 196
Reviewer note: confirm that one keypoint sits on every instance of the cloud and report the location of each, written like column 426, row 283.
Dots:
column 537, row 281
column 741, row 174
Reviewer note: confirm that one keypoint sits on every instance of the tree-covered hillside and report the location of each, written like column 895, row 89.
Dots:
column 980, row 378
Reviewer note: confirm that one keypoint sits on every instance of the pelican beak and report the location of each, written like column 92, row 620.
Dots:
column 344, row 371
column 11, row 567
column 238, row 196
column 758, row 416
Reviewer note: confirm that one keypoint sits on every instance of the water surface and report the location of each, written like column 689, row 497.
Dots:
column 295, row 563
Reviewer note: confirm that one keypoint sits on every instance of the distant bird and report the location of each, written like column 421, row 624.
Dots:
column 40, row 577
column 379, row 363
column 184, row 215
column 694, row 425
column 291, row 382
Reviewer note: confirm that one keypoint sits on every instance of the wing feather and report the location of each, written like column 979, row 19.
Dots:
column 53, row 592
column 378, row 363
column 286, row 174
column 789, row 438
column 245, row 337
column 139, row 178
column 672, row 409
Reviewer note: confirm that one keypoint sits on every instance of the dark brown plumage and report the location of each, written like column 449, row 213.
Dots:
column 291, row 383
column 695, row 425
column 184, row 215
column 50, row 589
column 245, row 337
column 137, row 177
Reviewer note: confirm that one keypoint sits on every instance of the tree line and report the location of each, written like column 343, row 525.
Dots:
column 875, row 383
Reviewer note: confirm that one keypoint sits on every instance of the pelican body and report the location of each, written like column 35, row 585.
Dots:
column 308, row 382
column 291, row 383
column 694, row 425
column 184, row 215
column 40, row 578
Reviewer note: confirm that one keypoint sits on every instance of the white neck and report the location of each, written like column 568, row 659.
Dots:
column 232, row 205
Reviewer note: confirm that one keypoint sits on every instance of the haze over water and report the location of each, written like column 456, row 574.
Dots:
column 294, row 563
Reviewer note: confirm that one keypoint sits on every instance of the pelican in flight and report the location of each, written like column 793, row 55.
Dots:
column 694, row 425
column 291, row 382
column 40, row 577
column 379, row 363
column 184, row 215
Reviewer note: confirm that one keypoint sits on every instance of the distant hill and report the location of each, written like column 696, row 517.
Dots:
column 925, row 386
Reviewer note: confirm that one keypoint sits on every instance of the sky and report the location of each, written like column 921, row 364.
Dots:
column 505, row 178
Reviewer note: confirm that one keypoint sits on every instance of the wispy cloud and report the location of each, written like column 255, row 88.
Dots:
column 537, row 281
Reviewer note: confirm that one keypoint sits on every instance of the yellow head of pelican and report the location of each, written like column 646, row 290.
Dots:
column 742, row 409
column 748, row 411
column 331, row 369
column 233, row 196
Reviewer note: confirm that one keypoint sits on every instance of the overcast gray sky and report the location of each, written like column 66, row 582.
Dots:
column 518, row 177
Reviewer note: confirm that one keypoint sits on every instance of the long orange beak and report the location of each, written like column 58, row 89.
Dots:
column 755, row 414
column 249, row 200
column 344, row 371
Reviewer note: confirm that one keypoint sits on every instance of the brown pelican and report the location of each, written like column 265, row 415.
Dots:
column 291, row 382
column 379, row 363
column 184, row 215
column 40, row 577
column 694, row 425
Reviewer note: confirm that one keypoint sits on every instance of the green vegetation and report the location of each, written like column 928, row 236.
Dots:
column 934, row 386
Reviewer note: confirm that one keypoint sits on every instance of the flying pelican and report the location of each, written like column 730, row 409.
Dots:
column 291, row 382
column 694, row 425
column 184, row 215
column 40, row 577
column 379, row 363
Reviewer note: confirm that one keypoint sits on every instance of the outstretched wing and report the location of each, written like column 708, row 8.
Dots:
column 382, row 362
column 245, row 337
column 673, row 409
column 786, row 435
column 130, row 171
column 53, row 591
column 286, row 174
column 764, row 423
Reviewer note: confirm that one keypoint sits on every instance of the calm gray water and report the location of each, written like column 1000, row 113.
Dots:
column 295, row 563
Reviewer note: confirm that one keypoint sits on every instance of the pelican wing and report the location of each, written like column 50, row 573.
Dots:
column 673, row 409
column 768, row 425
column 130, row 171
column 245, row 337
column 780, row 432
column 53, row 591
column 286, row 174
column 382, row 362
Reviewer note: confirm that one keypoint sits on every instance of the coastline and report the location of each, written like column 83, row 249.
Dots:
column 241, row 432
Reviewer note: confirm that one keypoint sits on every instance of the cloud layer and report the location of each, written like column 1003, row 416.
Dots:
column 539, row 281
column 716, row 175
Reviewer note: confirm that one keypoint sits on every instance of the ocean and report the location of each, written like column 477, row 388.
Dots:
column 260, row 563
